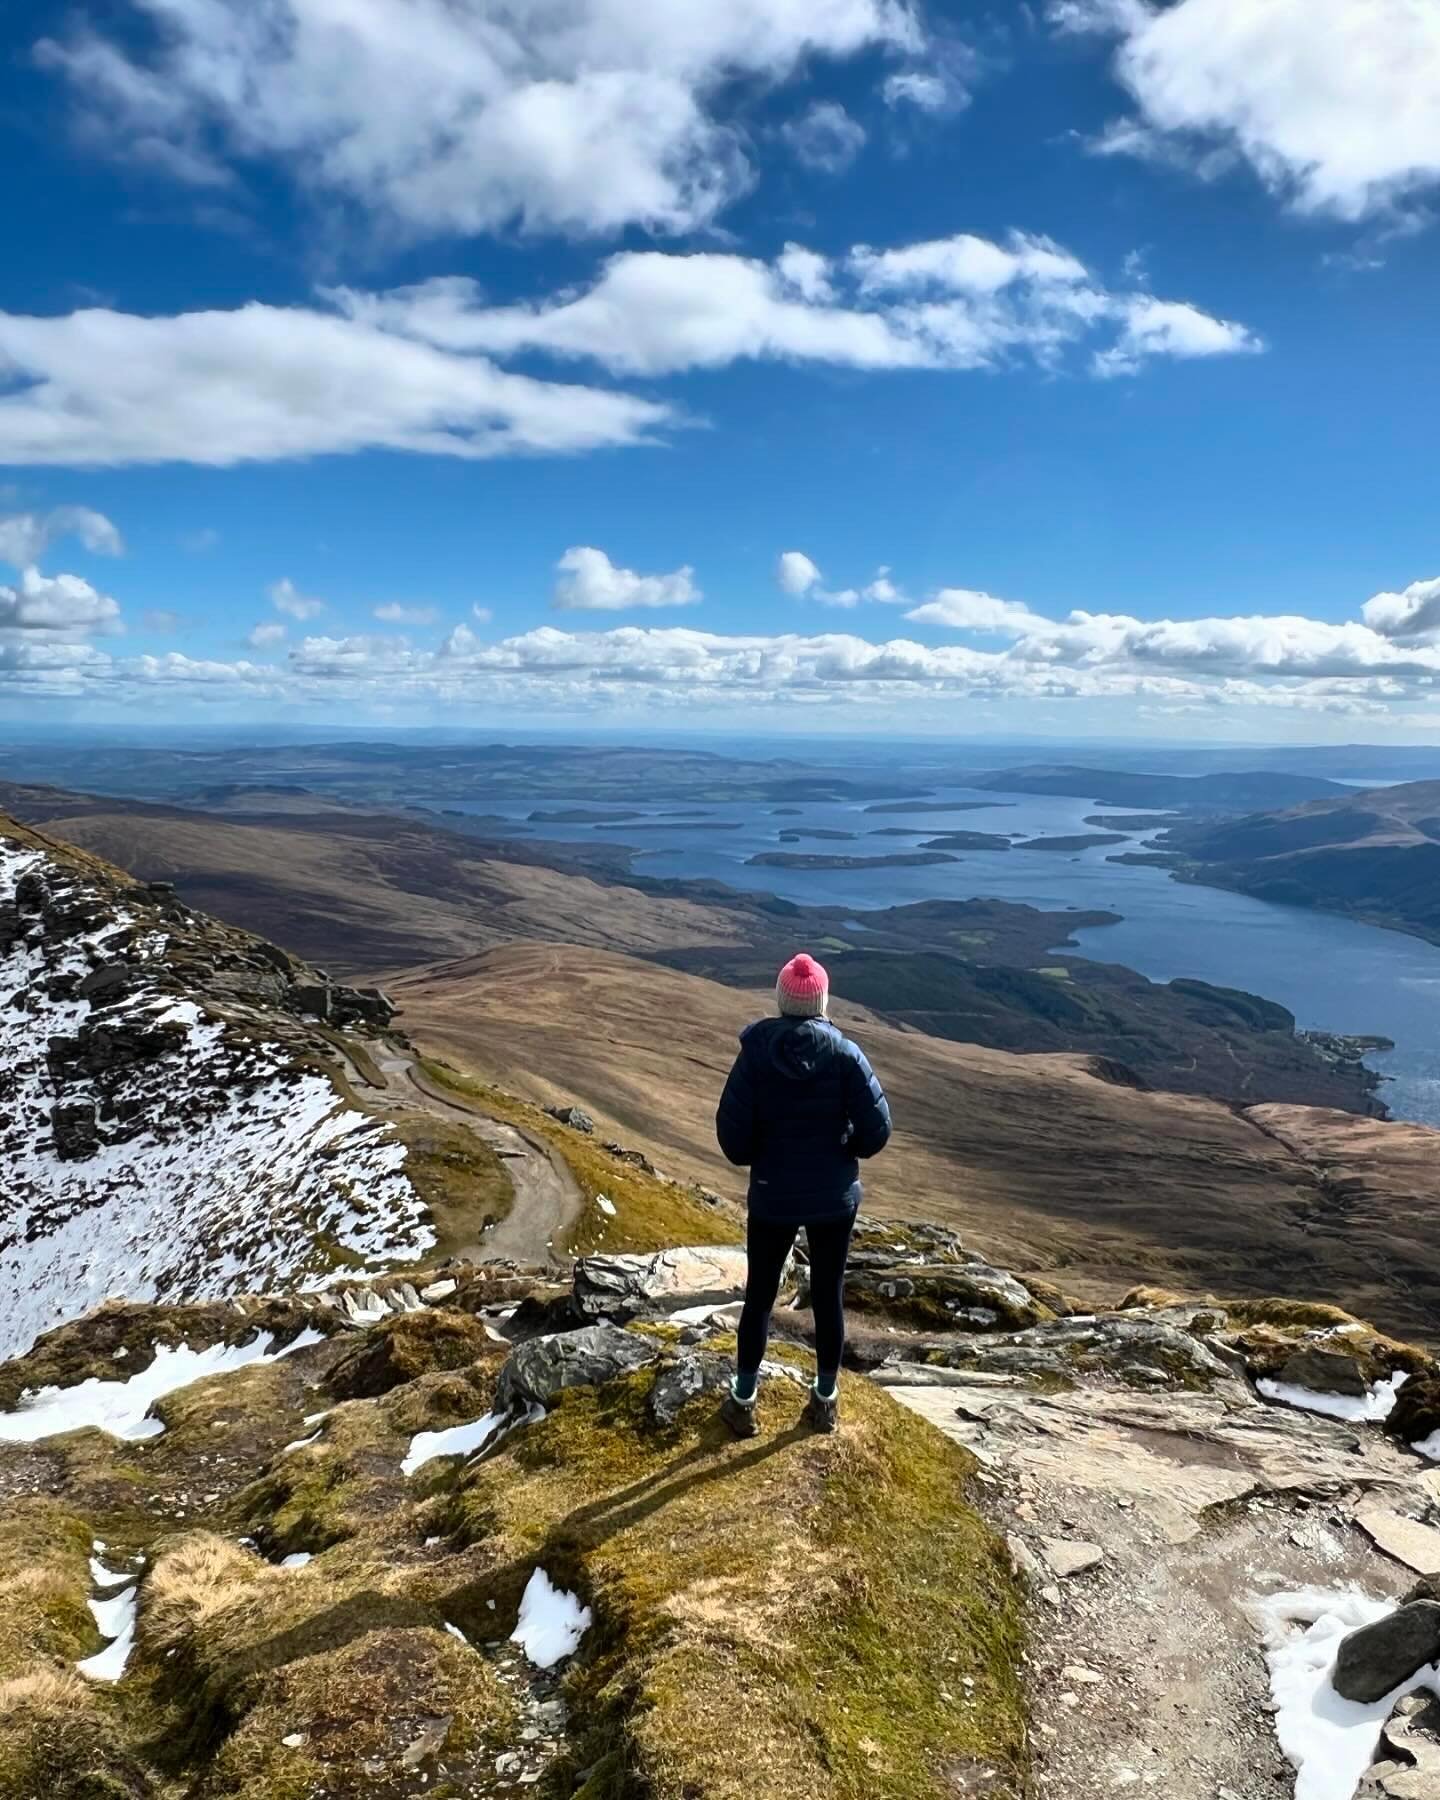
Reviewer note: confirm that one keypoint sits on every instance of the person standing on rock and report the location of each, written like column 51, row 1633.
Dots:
column 801, row 1107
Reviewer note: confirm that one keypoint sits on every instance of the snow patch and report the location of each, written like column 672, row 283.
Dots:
column 1329, row 1741
column 297, row 1560
column 459, row 1440
column 1357, row 1409
column 224, row 1170
column 115, row 1620
column 122, row 1408
column 551, row 1622
column 606, row 1206
column 1430, row 1446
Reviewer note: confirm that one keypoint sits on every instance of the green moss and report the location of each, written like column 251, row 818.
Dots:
column 650, row 1214
column 459, row 1177
column 835, row 1593
column 399, row 1349
column 359, row 1707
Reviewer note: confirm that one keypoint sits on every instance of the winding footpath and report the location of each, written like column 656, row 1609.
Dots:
column 547, row 1199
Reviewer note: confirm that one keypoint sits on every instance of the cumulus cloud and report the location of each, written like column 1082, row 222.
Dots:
column 395, row 613
column 266, row 634
column 590, row 582
column 445, row 116
column 1166, row 665
column 798, row 576
column 416, row 369
column 825, row 137
column 56, row 605
column 963, row 302
column 967, row 609
column 264, row 383
column 26, row 536
column 1411, row 616
column 1331, row 103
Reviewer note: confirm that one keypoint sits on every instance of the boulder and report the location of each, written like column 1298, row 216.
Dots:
column 539, row 1370
column 970, row 1296
column 573, row 1116
column 629, row 1286
column 1377, row 1658
column 1416, row 1413
column 687, row 1378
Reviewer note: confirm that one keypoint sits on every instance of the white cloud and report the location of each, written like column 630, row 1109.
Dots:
column 1333, row 103
column 57, row 605
column 411, row 369
column 825, row 137
column 264, row 383
column 590, row 582
column 796, row 573
column 967, row 609
column 916, row 87
column 1411, row 616
column 285, row 597
column 966, row 264
column 161, row 620
column 394, row 613
column 25, row 537
column 1283, row 661
column 963, row 302
column 1170, row 328
column 445, row 116
column 266, row 634
column 482, row 613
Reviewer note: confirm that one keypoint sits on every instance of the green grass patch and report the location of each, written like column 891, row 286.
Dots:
column 650, row 1213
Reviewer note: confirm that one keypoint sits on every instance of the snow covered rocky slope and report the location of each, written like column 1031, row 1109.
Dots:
column 168, row 1128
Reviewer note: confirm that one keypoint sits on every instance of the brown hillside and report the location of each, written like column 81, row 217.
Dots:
column 1041, row 1161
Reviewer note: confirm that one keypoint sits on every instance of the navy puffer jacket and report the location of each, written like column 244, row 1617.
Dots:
column 801, row 1107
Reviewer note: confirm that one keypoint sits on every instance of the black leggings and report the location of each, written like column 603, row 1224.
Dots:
column 767, row 1244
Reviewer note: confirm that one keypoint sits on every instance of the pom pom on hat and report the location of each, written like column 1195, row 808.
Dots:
column 803, row 988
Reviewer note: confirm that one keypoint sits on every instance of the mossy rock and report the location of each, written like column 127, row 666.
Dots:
column 45, row 1586
column 405, row 1346
column 831, row 1593
column 393, row 1705
column 1056, row 1301
column 1302, row 1355
column 56, row 1740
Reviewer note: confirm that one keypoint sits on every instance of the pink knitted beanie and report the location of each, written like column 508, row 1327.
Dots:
column 803, row 989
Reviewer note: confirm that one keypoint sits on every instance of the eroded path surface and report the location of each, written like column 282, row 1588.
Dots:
column 1144, row 1523
column 547, row 1199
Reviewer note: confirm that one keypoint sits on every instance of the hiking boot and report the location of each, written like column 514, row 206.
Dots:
column 739, row 1417
column 822, row 1414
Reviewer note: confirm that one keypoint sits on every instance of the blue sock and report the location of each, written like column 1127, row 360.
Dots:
column 744, row 1385
column 827, row 1386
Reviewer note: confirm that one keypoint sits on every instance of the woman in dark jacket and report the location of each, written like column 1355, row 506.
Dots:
column 801, row 1107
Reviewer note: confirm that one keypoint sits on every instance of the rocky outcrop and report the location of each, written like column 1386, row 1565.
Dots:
column 544, row 1367
column 969, row 1296
column 624, row 1287
column 1139, row 1352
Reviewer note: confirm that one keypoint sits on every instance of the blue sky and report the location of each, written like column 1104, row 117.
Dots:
column 828, row 364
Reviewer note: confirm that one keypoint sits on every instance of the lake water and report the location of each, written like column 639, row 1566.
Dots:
column 1332, row 973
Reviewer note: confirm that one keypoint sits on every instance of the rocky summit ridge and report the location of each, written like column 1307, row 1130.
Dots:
column 171, row 1124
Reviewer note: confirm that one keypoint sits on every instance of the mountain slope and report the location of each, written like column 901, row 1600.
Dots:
column 169, row 1128
column 1374, row 855
column 1047, row 1160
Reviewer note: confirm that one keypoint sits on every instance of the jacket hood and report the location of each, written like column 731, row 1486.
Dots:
column 796, row 1048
